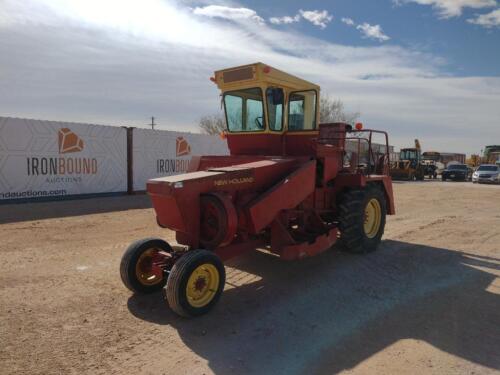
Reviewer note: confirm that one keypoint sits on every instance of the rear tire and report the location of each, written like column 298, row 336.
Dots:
column 360, row 232
column 137, row 256
column 195, row 283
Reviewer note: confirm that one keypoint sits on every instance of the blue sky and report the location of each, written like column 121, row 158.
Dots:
column 427, row 69
column 467, row 48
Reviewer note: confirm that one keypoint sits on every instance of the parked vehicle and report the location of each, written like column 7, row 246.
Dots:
column 432, row 163
column 430, row 168
column 456, row 172
column 409, row 166
column 488, row 173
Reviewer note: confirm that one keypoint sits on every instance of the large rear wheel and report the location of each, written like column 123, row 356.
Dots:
column 361, row 219
column 195, row 283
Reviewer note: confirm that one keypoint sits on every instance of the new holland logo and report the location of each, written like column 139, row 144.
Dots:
column 182, row 147
column 69, row 141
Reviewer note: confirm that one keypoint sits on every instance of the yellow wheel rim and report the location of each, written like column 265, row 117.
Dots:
column 373, row 217
column 143, row 268
column 202, row 285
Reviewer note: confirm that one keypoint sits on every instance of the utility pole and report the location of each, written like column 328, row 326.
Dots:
column 152, row 123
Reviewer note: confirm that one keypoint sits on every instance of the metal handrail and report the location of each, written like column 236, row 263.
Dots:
column 372, row 160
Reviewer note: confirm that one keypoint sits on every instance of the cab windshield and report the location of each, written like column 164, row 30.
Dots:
column 244, row 110
column 408, row 155
column 302, row 110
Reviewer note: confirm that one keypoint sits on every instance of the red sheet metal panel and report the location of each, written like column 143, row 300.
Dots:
column 305, row 249
column 251, row 165
column 176, row 198
column 168, row 213
column 287, row 194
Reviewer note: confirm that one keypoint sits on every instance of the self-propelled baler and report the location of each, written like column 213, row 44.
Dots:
column 290, row 186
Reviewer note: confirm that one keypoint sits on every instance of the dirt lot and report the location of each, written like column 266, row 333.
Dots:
column 427, row 302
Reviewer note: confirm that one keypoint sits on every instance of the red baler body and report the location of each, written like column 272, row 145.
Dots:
column 284, row 202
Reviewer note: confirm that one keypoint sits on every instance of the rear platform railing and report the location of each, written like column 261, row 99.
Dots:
column 359, row 155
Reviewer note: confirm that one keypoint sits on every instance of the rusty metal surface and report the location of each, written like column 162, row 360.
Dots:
column 238, row 74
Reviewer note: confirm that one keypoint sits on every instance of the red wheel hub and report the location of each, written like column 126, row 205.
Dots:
column 218, row 220
column 200, row 284
column 211, row 220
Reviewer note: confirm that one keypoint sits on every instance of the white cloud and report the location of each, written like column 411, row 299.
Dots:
column 372, row 32
column 369, row 31
column 347, row 21
column 317, row 17
column 488, row 20
column 234, row 14
column 80, row 61
column 284, row 20
column 451, row 8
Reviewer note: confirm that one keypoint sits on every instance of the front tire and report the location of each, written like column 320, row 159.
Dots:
column 137, row 267
column 362, row 216
column 195, row 283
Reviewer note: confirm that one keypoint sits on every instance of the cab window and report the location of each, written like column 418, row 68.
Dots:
column 275, row 102
column 244, row 110
column 408, row 155
column 302, row 110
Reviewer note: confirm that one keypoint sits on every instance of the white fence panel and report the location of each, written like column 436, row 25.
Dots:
column 158, row 153
column 49, row 159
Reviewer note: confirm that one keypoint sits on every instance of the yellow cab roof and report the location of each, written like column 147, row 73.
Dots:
column 259, row 74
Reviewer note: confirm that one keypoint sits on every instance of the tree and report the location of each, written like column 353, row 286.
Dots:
column 212, row 124
column 332, row 110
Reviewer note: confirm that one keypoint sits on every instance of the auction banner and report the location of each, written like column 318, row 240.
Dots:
column 42, row 159
column 158, row 153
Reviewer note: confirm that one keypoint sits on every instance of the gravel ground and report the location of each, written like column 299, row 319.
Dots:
column 427, row 302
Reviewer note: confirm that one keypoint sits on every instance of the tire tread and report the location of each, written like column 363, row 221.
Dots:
column 131, row 255
column 351, row 214
column 180, row 271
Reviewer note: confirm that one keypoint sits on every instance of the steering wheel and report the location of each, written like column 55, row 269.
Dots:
column 259, row 123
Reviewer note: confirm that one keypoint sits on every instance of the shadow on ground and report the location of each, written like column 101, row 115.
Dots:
column 17, row 212
column 330, row 313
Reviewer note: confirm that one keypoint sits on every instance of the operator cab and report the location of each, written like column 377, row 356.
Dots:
column 268, row 111
column 410, row 154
